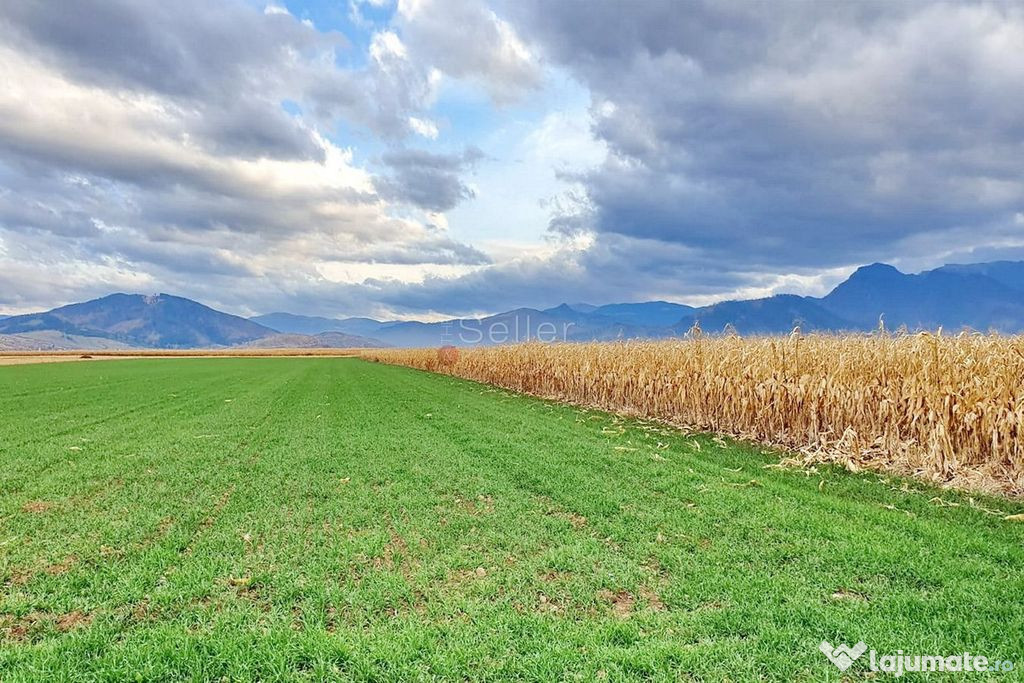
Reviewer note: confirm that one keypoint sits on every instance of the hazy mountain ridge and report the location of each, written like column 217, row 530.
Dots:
column 323, row 340
column 647, row 314
column 52, row 340
column 1009, row 273
column 981, row 296
column 289, row 323
column 772, row 315
column 947, row 297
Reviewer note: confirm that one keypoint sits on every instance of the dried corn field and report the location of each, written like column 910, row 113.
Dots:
column 948, row 408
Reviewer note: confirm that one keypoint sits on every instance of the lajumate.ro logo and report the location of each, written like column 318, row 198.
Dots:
column 844, row 656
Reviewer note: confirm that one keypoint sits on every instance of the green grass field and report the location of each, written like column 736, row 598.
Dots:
column 331, row 518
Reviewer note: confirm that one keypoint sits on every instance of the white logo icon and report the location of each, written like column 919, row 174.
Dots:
column 842, row 655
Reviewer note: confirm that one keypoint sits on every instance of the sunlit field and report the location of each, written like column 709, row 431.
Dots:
column 319, row 518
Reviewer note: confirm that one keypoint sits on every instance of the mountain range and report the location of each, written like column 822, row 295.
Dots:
column 980, row 296
column 162, row 321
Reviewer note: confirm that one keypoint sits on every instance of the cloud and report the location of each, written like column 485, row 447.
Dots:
column 791, row 135
column 427, row 180
column 466, row 39
column 424, row 127
column 224, row 65
column 584, row 269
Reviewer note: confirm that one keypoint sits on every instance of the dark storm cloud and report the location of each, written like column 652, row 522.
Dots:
column 427, row 180
column 795, row 134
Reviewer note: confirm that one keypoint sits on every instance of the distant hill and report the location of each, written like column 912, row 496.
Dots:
column 774, row 315
column 290, row 323
column 161, row 321
column 52, row 340
column 648, row 314
column 324, row 340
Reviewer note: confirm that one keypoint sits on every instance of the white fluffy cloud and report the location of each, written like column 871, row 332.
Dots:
column 467, row 39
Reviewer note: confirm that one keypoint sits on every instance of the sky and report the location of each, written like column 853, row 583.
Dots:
column 435, row 158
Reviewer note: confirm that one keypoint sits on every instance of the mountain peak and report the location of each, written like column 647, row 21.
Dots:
column 876, row 270
column 981, row 296
column 157, row 321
